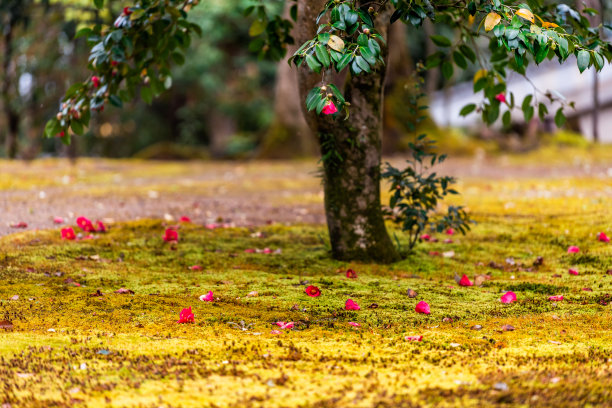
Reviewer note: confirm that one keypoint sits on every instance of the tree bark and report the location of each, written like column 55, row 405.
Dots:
column 351, row 156
column 12, row 117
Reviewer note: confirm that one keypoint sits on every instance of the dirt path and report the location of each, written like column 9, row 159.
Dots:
column 240, row 193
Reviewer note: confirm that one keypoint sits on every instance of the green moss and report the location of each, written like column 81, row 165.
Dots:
column 135, row 353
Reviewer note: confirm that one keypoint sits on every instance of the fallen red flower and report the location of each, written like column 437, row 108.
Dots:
column 351, row 274
column 508, row 297
column 413, row 338
column 85, row 224
column 603, row 237
column 68, row 233
column 171, row 235
column 465, row 281
column 351, row 305
column 313, row 291
column 186, row 316
column 422, row 307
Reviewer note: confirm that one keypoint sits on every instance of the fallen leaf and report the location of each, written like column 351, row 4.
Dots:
column 97, row 294
column 501, row 386
column 539, row 261
column 253, row 294
column 412, row 293
column 476, row 327
column 507, row 327
column 124, row 291
column 448, row 254
column 15, row 297
column 5, row 324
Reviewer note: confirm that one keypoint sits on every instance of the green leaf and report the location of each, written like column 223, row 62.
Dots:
column 257, row 28
column 584, row 60
column 362, row 63
column 560, row 118
column 77, row 127
column 467, row 109
column 447, row 69
column 99, row 4
column 459, row 60
column 115, row 101
column 313, row 64
column 323, row 55
column 441, row 41
column 146, row 94
column 52, row 128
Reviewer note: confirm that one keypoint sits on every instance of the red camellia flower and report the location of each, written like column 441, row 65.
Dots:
column 465, row 281
column 573, row 250
column 450, row 231
column 61, row 134
column 573, row 271
column 425, row 237
column 184, row 218
column 249, row 251
column 603, row 237
column 313, row 291
column 95, row 81
column 195, row 268
column 422, row 307
column 127, row 11
column 85, row 224
column 100, row 227
column 351, row 274
column 351, row 305
column 413, row 338
column 354, row 324
column 557, row 298
column 171, row 235
column 68, row 233
column 114, row 63
column 508, row 297
column 501, row 97
column 186, row 316
column 329, row 108
column 58, row 220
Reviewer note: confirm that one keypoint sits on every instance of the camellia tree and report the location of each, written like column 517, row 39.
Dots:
column 341, row 57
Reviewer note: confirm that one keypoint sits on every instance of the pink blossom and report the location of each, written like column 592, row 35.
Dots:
column 450, row 231
column 287, row 325
column 557, row 298
column 186, row 316
column 422, row 307
column 95, row 81
column 465, row 281
column 276, row 332
column 211, row 226
column 207, row 297
column 501, row 97
column 267, row 251
column 573, row 250
column 249, row 251
column 185, row 219
column 603, row 237
column 508, row 297
column 351, row 305
column 329, row 108
column 58, row 220
column 425, row 237
column 354, row 324
column 195, row 268
column 413, row 338
column 573, row 271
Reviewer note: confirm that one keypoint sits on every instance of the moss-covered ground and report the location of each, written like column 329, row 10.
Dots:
column 67, row 339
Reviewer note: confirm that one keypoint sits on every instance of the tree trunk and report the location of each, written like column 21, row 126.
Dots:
column 351, row 156
column 12, row 117
column 289, row 135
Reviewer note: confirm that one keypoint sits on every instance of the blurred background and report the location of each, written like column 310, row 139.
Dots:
column 227, row 103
